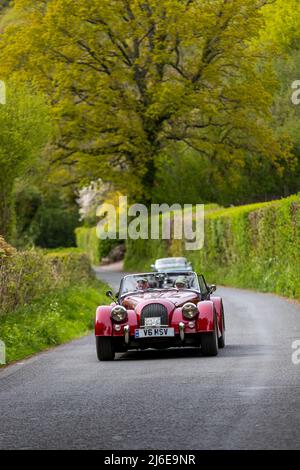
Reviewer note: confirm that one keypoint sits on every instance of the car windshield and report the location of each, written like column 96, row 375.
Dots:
column 162, row 281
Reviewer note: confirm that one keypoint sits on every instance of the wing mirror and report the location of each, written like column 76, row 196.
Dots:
column 111, row 295
column 212, row 289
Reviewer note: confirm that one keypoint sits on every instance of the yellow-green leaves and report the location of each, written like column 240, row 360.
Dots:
column 24, row 130
column 127, row 77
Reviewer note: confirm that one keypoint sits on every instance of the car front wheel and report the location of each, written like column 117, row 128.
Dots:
column 105, row 350
column 222, row 339
column 209, row 343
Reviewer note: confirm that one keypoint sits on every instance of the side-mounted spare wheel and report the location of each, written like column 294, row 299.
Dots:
column 105, row 349
column 209, row 342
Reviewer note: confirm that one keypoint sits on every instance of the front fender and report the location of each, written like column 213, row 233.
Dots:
column 207, row 312
column 205, row 321
column 132, row 321
column 218, row 303
column 103, row 323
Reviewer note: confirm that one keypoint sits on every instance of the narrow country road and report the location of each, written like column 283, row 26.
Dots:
column 246, row 398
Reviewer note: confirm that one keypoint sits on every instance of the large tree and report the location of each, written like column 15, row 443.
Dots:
column 127, row 77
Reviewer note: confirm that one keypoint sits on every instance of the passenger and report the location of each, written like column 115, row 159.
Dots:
column 181, row 283
column 142, row 284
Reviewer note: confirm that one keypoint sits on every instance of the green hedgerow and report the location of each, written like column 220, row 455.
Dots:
column 255, row 246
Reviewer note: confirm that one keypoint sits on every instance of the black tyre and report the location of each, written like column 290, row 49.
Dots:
column 221, row 341
column 209, row 343
column 105, row 350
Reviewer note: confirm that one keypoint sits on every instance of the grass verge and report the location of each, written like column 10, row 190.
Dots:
column 57, row 318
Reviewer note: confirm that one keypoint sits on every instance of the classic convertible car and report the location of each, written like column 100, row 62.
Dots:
column 161, row 310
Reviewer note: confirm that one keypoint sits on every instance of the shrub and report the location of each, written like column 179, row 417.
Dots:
column 88, row 241
column 26, row 276
column 46, row 220
column 46, row 298
column 54, row 226
column 5, row 248
column 96, row 249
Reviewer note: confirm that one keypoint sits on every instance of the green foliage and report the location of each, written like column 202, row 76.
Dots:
column 283, row 30
column 287, row 115
column 283, row 24
column 182, row 175
column 5, row 249
column 4, row 4
column 255, row 246
column 63, row 251
column 55, row 224
column 30, row 275
column 24, row 129
column 46, row 298
column 88, row 242
column 28, row 200
column 140, row 254
column 69, row 266
column 128, row 78
column 106, row 246
column 56, row 318
column 44, row 217
column 168, row 101
column 96, row 249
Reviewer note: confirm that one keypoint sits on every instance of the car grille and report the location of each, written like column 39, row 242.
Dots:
column 155, row 311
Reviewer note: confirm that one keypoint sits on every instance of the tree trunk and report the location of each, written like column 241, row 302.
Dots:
column 148, row 180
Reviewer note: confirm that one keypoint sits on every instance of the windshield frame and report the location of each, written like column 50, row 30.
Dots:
column 159, row 289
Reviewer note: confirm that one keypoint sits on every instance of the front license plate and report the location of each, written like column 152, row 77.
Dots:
column 155, row 333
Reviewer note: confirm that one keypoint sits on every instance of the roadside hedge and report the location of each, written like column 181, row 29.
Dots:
column 87, row 241
column 26, row 276
column 96, row 249
column 46, row 298
column 255, row 246
column 5, row 248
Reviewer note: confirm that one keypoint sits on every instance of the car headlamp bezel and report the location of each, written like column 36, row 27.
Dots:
column 189, row 311
column 119, row 314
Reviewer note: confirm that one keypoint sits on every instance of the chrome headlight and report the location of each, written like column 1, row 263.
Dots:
column 119, row 313
column 189, row 311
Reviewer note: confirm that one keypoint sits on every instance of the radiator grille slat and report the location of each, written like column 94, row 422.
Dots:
column 154, row 311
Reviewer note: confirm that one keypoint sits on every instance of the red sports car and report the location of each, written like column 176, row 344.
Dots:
column 161, row 310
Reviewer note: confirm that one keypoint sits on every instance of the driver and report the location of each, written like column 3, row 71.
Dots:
column 181, row 283
column 142, row 284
